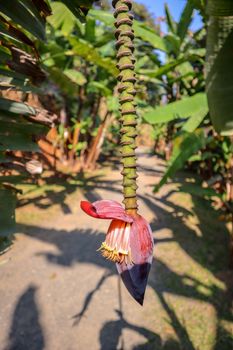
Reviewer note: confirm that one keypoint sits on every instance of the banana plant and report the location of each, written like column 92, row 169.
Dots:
column 22, row 27
column 188, row 114
column 184, row 51
column 20, row 124
column 79, row 61
column 188, row 109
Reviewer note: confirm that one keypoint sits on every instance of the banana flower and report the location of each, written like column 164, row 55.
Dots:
column 128, row 243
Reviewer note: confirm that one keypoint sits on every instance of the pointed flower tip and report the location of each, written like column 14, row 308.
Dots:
column 135, row 276
column 141, row 301
column 135, row 279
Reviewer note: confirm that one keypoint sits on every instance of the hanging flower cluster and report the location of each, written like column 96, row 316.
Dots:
column 129, row 241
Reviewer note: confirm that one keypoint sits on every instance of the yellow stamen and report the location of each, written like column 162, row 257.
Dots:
column 115, row 255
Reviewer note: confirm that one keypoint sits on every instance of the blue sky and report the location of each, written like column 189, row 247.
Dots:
column 175, row 6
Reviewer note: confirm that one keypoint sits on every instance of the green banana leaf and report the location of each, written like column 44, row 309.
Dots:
column 26, row 14
column 79, row 7
column 185, row 20
column 84, row 49
column 187, row 145
column 141, row 30
column 75, row 76
column 194, row 107
column 172, row 26
column 7, row 212
column 219, row 67
column 65, row 84
column 199, row 191
column 62, row 18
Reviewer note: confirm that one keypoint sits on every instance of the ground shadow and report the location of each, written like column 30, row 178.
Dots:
column 78, row 317
column 55, row 191
column 75, row 246
column 26, row 331
column 208, row 249
column 111, row 335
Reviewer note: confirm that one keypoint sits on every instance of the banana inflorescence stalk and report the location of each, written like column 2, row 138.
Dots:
column 125, row 62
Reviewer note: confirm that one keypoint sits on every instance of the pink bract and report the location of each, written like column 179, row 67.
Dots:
column 128, row 243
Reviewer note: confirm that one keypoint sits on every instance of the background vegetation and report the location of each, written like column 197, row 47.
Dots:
column 59, row 108
column 59, row 124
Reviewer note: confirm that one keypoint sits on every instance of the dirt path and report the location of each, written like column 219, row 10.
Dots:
column 57, row 293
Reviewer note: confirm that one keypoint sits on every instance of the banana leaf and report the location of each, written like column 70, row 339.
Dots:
column 172, row 26
column 141, row 30
column 26, row 14
column 7, row 212
column 219, row 67
column 185, row 20
column 194, row 107
column 187, row 145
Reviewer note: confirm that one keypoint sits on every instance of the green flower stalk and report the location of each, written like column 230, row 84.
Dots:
column 125, row 62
